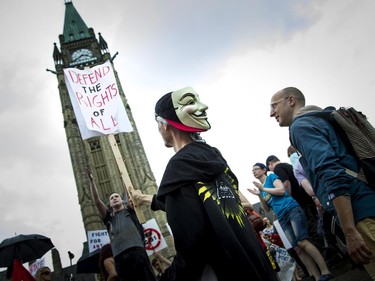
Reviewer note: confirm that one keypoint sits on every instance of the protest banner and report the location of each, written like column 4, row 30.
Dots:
column 96, row 101
column 99, row 111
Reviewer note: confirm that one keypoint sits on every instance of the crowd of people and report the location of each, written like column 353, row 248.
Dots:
column 326, row 159
column 271, row 192
column 213, row 235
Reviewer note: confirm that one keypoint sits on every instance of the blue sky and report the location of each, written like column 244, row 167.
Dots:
column 235, row 55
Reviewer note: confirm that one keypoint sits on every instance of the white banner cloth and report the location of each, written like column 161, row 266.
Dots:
column 96, row 101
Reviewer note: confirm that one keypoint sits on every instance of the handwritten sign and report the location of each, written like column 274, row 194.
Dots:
column 96, row 101
column 39, row 263
column 97, row 239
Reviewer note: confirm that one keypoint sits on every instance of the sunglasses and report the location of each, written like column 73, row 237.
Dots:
column 46, row 273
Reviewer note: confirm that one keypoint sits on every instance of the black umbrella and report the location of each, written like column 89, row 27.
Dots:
column 23, row 247
column 89, row 263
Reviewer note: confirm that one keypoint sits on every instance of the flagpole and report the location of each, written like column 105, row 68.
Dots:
column 125, row 176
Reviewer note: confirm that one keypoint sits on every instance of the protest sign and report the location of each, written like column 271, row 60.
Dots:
column 97, row 239
column 96, row 101
column 154, row 239
column 33, row 267
column 285, row 262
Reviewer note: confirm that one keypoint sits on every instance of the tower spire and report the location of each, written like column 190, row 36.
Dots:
column 74, row 26
column 79, row 48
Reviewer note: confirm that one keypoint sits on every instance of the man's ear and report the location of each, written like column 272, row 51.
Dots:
column 166, row 126
column 292, row 100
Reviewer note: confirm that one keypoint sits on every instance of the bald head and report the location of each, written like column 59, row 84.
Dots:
column 285, row 104
column 294, row 92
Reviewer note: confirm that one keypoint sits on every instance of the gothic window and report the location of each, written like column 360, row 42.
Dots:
column 95, row 145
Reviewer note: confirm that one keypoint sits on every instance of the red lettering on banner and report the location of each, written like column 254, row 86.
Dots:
column 100, row 123
column 114, row 122
column 97, row 100
column 80, row 99
column 96, row 96
column 91, row 78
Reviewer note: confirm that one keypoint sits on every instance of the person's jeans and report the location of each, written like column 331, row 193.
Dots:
column 294, row 224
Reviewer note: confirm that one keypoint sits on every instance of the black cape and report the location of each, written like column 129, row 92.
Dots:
column 200, row 195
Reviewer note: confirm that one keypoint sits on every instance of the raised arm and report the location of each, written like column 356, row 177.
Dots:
column 256, row 192
column 278, row 190
column 95, row 196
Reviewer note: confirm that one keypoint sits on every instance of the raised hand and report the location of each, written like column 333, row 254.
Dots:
column 254, row 191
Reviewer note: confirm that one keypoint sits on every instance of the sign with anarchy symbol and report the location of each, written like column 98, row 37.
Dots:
column 154, row 240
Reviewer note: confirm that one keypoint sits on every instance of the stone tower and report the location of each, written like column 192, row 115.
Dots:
column 79, row 48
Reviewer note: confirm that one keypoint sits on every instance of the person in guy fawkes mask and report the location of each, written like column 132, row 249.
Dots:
column 200, row 195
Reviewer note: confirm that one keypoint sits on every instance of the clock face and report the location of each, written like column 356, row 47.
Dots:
column 82, row 55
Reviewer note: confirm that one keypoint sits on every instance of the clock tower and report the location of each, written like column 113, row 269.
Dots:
column 80, row 48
